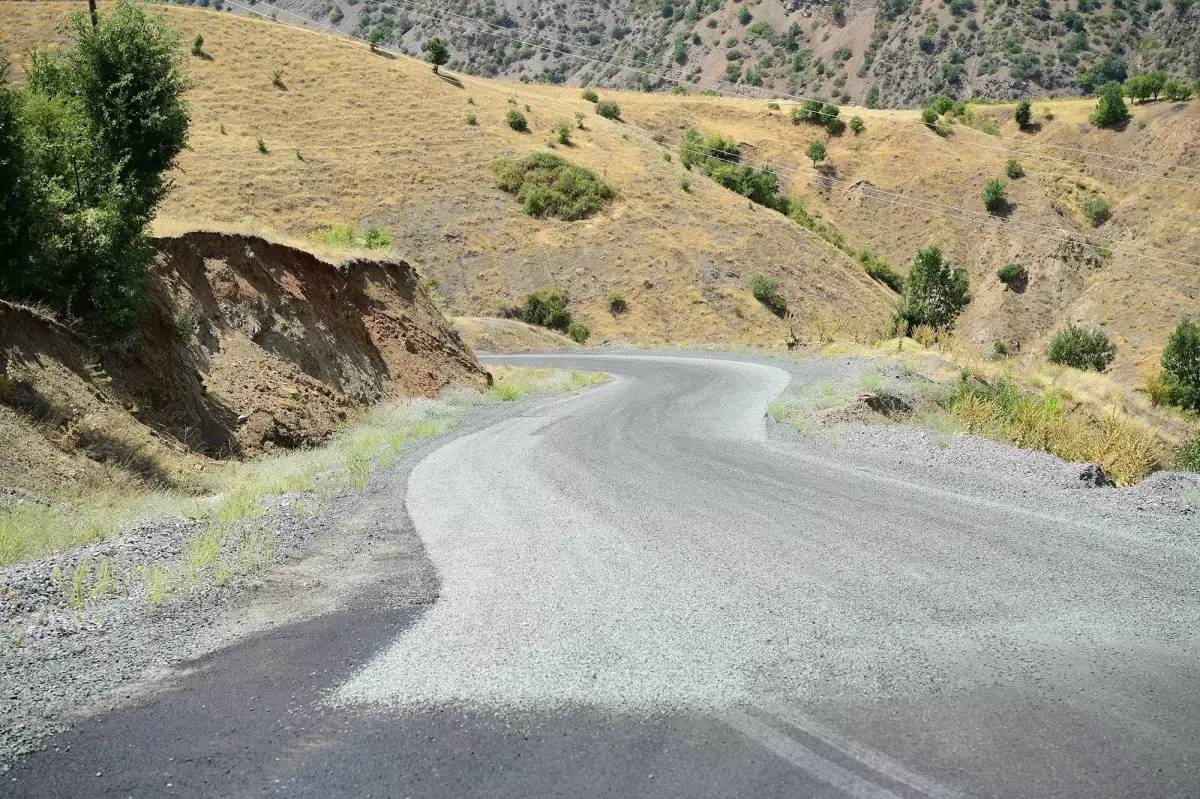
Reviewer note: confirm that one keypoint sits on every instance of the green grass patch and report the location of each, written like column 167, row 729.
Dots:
column 372, row 237
column 550, row 186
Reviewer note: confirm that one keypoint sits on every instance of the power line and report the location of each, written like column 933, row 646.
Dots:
column 740, row 91
column 819, row 179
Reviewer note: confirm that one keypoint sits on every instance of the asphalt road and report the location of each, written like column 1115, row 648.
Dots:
column 640, row 594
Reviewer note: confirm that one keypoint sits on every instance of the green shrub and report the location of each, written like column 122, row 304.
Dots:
column 547, row 308
column 816, row 152
column 85, row 146
column 277, row 79
column 1013, row 275
column 590, row 96
column 679, row 90
column 616, row 303
column 993, row 196
column 578, row 332
column 1081, row 348
column 685, row 184
column 744, row 16
column 1014, row 169
column 436, row 52
column 942, row 105
column 1187, row 457
column 766, row 290
column 930, row 118
column 262, row 146
column 1023, row 113
column 608, row 109
column 373, row 237
column 563, row 132
column 883, row 272
column 516, row 120
column 856, row 125
column 1096, row 210
column 935, row 293
column 472, row 119
column 550, row 186
column 198, row 45
column 1110, row 108
column 1181, row 365
column 772, row 106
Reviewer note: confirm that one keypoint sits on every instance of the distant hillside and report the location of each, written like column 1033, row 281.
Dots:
column 352, row 137
column 889, row 53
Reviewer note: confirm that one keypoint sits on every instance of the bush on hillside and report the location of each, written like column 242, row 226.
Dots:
column 1023, row 113
column 1187, row 457
column 935, row 293
column 578, row 332
column 616, row 303
column 590, row 96
column 993, row 196
column 880, row 270
column 1013, row 275
column 516, row 120
column 198, row 45
column 942, row 104
column 766, row 290
column 1181, row 366
column 562, row 132
column 1014, row 169
column 1096, row 210
column 85, row 146
column 930, row 118
column 816, row 152
column 1081, row 348
column 1110, row 108
column 856, row 125
column 546, row 308
column 608, row 109
column 550, row 186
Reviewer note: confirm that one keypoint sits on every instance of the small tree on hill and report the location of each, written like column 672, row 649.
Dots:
column 198, row 45
column 1023, row 113
column 436, row 53
column 1181, row 365
column 856, row 125
column 935, row 293
column 816, row 152
column 1110, row 108
column 993, row 196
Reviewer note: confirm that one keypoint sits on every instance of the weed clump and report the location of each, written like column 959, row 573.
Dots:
column 372, row 237
column 1014, row 276
column 550, row 186
column 1081, row 348
column 766, row 290
column 516, row 120
column 590, row 96
column 609, row 110
column 616, row 303
column 1096, row 210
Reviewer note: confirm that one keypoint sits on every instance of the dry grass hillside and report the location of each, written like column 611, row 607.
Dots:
column 356, row 137
column 353, row 136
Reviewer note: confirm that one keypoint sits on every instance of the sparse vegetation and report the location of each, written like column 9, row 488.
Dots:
column 1015, row 276
column 616, row 303
column 550, row 186
column 277, row 79
column 609, row 110
column 1110, row 108
column 1023, row 114
column 766, row 290
column 472, row 119
column 1014, row 169
column 1096, row 210
column 994, row 198
column 856, row 125
column 1181, row 366
column 436, row 53
column 372, row 237
column 261, row 146
column 516, row 120
column 816, row 152
column 562, row 132
column 198, row 45
column 590, row 96
column 85, row 147
column 1187, row 456
column 935, row 293
column 1081, row 348
column 578, row 332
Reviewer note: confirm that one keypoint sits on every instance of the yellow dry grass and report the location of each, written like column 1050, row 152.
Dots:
column 356, row 137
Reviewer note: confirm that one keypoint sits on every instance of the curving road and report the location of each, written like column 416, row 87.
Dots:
column 640, row 594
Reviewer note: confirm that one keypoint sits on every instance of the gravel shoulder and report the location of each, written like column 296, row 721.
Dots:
column 60, row 663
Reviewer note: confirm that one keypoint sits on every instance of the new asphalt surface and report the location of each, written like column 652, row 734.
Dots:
column 638, row 592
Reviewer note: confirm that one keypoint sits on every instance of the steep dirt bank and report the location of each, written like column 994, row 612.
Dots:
column 247, row 345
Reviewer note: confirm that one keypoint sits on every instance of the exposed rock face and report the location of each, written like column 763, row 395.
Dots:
column 247, row 345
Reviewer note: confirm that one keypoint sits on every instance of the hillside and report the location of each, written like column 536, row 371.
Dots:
column 895, row 52
column 379, row 139
column 247, row 346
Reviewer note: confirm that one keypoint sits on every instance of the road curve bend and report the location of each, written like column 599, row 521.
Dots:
column 642, row 549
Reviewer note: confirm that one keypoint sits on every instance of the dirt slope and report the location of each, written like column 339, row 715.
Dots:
column 247, row 345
